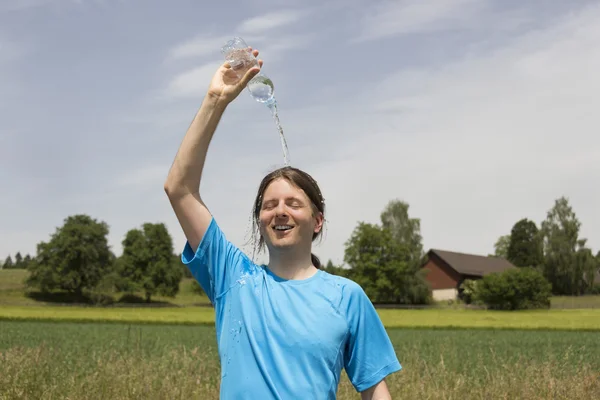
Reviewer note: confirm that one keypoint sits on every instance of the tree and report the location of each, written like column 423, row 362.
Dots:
column 405, row 230
column 8, row 263
column 26, row 261
column 75, row 259
column 384, row 267
column 18, row 260
column 335, row 270
column 525, row 246
column 501, row 246
column 560, row 232
column 586, row 268
column 148, row 263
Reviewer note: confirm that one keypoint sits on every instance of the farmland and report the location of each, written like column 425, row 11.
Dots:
column 168, row 350
column 126, row 361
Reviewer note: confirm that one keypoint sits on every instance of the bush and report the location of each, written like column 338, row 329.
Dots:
column 468, row 290
column 514, row 289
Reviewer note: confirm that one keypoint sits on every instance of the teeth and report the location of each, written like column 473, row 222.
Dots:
column 282, row 227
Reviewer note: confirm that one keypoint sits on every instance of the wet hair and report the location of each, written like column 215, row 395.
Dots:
column 303, row 181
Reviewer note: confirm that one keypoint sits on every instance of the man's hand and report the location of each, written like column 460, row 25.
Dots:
column 226, row 85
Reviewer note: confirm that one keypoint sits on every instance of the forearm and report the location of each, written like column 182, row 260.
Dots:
column 186, row 172
column 378, row 392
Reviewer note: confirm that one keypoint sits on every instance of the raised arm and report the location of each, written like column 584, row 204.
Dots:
column 183, row 182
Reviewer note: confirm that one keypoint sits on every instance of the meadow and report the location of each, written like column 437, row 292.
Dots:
column 125, row 361
column 168, row 351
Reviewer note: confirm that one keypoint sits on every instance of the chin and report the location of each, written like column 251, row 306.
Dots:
column 282, row 243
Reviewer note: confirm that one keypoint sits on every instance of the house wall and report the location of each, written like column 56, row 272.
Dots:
column 440, row 275
column 444, row 294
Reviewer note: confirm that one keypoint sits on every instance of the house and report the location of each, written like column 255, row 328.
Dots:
column 447, row 270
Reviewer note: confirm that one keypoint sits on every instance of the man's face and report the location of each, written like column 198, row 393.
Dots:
column 286, row 216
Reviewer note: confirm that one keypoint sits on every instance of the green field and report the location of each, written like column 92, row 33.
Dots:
column 121, row 361
column 13, row 293
column 167, row 350
column 430, row 318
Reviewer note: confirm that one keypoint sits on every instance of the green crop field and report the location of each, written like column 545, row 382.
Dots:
column 167, row 350
column 124, row 361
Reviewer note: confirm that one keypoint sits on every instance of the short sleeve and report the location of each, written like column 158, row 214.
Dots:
column 214, row 263
column 369, row 355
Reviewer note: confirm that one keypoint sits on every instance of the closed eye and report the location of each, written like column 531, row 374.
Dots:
column 295, row 203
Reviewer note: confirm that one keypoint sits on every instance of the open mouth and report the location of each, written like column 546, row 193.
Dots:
column 282, row 228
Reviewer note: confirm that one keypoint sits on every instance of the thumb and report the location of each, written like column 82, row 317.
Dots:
column 251, row 73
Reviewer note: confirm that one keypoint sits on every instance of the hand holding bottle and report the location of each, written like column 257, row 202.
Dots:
column 227, row 83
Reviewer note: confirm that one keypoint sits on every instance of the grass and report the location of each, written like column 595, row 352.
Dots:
column 572, row 302
column 189, row 308
column 131, row 351
column 432, row 318
column 13, row 293
column 122, row 361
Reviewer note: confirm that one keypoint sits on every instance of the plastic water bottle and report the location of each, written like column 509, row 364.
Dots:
column 241, row 59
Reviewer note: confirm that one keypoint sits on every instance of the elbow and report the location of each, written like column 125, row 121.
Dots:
column 171, row 188
column 176, row 190
column 168, row 187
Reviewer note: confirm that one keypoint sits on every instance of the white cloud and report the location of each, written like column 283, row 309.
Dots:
column 14, row 5
column 143, row 176
column 252, row 29
column 440, row 135
column 473, row 146
column 270, row 21
column 192, row 83
column 256, row 31
column 478, row 144
column 410, row 16
column 198, row 46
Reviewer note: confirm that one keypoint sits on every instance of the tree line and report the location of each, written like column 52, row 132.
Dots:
column 77, row 259
column 386, row 259
column 555, row 249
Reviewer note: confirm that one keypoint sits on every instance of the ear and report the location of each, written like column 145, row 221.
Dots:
column 319, row 219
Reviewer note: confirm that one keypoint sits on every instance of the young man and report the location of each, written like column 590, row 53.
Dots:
column 284, row 330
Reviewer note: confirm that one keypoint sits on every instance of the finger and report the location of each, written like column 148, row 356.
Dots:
column 249, row 75
column 260, row 63
column 255, row 53
column 226, row 65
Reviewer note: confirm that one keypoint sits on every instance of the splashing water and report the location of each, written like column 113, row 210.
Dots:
column 286, row 153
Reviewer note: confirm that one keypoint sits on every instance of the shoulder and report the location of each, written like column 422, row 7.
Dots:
column 347, row 292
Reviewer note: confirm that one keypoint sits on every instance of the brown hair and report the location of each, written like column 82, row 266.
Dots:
column 303, row 181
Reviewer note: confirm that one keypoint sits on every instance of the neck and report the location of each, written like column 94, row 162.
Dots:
column 290, row 264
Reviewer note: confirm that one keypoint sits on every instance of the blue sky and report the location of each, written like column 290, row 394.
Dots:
column 477, row 113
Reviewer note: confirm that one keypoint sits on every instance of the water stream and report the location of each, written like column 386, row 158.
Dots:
column 286, row 153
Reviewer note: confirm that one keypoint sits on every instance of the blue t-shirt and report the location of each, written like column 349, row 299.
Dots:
column 287, row 339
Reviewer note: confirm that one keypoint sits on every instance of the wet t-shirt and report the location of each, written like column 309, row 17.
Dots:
column 287, row 339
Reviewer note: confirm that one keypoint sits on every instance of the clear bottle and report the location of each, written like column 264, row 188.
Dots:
column 239, row 56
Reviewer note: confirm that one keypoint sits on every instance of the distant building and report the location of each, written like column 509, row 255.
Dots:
column 447, row 270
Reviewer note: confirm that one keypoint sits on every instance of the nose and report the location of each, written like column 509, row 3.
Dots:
column 280, row 210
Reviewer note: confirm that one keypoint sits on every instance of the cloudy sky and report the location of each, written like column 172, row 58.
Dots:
column 476, row 112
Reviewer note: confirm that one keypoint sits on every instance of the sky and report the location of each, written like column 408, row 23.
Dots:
column 477, row 113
